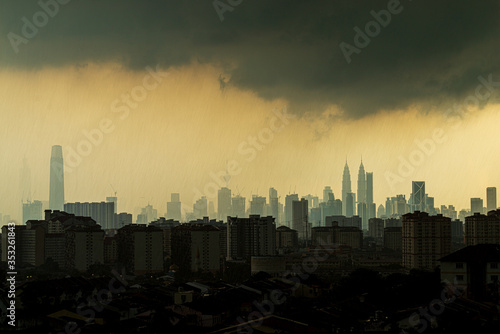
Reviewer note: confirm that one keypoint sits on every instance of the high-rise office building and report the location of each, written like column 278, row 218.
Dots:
column 114, row 200
column 174, row 207
column 224, row 203
column 346, row 188
column 32, row 211
column 312, row 200
column 56, row 192
column 361, row 184
column 211, row 209
column 274, row 208
column 200, row 208
column 418, row 196
column 491, row 199
column 476, row 205
column 122, row 219
column 381, row 211
column 400, row 207
column 238, row 206
column 288, row 208
column 273, row 193
column 328, row 190
column 371, row 207
column 363, row 213
column 429, row 203
column 369, row 188
column 388, row 207
column 299, row 217
column 349, row 204
column 258, row 205
column 449, row 211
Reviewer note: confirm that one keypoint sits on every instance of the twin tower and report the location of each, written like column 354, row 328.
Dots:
column 364, row 193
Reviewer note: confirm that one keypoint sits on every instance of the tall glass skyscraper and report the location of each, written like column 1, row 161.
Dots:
column 418, row 196
column 361, row 184
column 56, row 194
column 346, row 187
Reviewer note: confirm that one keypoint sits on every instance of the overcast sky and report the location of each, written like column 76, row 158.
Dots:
column 391, row 93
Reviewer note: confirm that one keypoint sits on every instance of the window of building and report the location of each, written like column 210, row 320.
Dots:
column 494, row 278
column 494, row 265
column 460, row 278
column 459, row 265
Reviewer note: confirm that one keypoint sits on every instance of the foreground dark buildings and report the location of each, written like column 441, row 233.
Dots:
column 248, row 276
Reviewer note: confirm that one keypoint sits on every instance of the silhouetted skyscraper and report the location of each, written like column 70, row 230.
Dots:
column 56, row 193
column 114, row 200
column 299, row 217
column 476, row 205
column 369, row 188
column 288, row 208
column 349, row 204
column 224, row 203
column 174, row 207
column 326, row 191
column 371, row 207
column 346, row 187
column 361, row 184
column 258, row 205
column 273, row 193
column 418, row 196
column 200, row 208
column 491, row 198
column 274, row 204
column 238, row 206
column 32, row 211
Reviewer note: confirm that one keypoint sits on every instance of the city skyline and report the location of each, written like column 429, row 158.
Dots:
column 260, row 205
column 159, row 115
column 268, row 166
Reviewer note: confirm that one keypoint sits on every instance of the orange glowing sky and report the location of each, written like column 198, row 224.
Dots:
column 187, row 128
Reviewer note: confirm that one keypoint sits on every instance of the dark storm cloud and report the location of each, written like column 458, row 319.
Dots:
column 430, row 53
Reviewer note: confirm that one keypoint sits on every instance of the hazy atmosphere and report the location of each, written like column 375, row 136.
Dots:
column 282, row 92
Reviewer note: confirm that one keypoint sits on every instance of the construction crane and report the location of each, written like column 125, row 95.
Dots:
column 113, row 188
